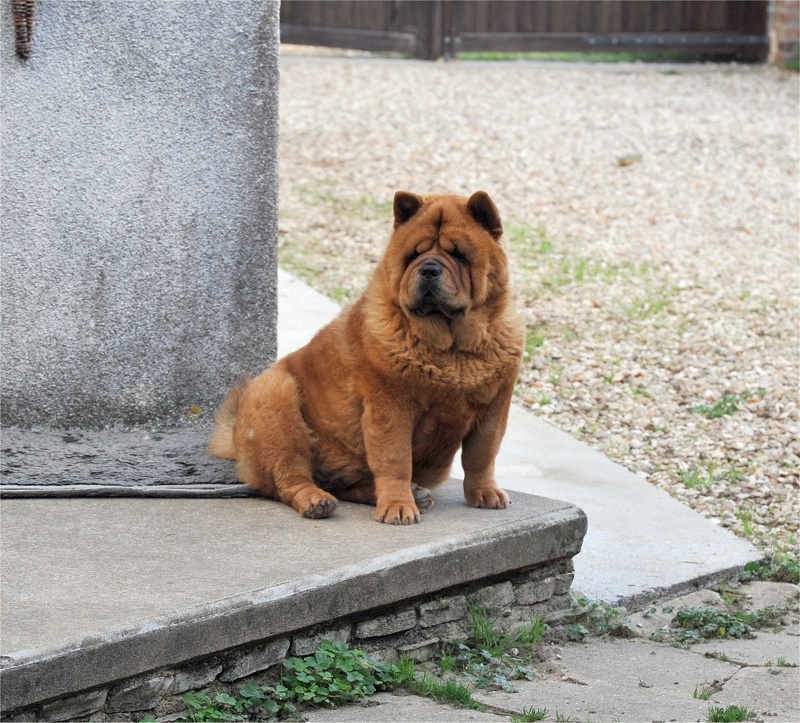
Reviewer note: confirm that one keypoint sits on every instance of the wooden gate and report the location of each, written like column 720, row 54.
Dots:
column 435, row 28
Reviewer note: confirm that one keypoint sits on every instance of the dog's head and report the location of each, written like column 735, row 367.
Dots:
column 445, row 262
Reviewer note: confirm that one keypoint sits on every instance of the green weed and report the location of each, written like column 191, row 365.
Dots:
column 529, row 713
column 254, row 702
column 696, row 624
column 532, row 634
column 745, row 516
column 730, row 714
column 534, row 338
column 599, row 618
column 492, row 657
column 697, row 477
column 446, row 663
column 702, row 693
column 654, row 303
column 727, row 404
column 779, row 567
column 561, row 718
column 527, row 241
column 333, row 675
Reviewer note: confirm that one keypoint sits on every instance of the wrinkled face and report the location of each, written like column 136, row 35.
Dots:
column 444, row 257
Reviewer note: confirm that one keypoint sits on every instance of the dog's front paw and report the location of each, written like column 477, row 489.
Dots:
column 323, row 508
column 492, row 498
column 315, row 504
column 397, row 513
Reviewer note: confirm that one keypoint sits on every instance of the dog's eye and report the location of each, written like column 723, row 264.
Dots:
column 410, row 257
column 458, row 256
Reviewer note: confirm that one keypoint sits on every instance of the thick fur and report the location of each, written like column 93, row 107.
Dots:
column 376, row 406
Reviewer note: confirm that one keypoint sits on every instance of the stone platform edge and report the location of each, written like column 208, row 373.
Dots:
column 520, row 569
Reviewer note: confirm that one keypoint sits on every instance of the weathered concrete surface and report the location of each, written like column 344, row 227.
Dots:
column 98, row 590
column 139, row 208
column 638, row 680
column 771, row 650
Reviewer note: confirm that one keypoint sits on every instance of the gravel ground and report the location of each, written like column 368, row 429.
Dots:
column 661, row 295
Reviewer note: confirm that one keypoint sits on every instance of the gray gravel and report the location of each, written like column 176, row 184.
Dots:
column 651, row 289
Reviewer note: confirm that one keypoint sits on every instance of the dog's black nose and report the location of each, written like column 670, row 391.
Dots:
column 430, row 270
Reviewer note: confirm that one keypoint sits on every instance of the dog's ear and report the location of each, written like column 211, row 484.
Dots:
column 405, row 206
column 483, row 210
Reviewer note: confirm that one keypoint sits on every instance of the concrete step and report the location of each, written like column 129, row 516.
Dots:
column 97, row 591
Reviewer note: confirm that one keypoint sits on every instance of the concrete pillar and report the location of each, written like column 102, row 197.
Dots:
column 139, row 209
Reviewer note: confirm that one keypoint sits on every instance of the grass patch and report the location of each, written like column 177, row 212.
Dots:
column 529, row 713
column 444, row 691
column 727, row 404
column 527, row 241
column 730, row 714
column 654, row 303
column 697, row 477
column 347, row 206
column 703, row 692
column 534, row 339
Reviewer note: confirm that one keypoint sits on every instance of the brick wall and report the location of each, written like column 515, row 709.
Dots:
column 784, row 32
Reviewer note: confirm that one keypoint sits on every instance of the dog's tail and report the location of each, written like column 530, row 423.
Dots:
column 222, row 444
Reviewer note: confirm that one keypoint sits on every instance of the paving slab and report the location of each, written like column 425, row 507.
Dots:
column 772, row 693
column 766, row 647
column 641, row 545
column 620, row 680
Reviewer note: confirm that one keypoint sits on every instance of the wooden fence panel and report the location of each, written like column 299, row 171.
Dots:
column 430, row 29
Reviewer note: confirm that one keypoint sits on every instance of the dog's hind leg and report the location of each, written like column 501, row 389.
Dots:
column 273, row 445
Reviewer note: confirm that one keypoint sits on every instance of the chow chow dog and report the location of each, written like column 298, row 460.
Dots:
column 374, row 408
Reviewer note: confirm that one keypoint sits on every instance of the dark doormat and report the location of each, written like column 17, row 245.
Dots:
column 114, row 463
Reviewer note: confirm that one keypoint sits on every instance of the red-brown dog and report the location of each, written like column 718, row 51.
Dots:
column 376, row 406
